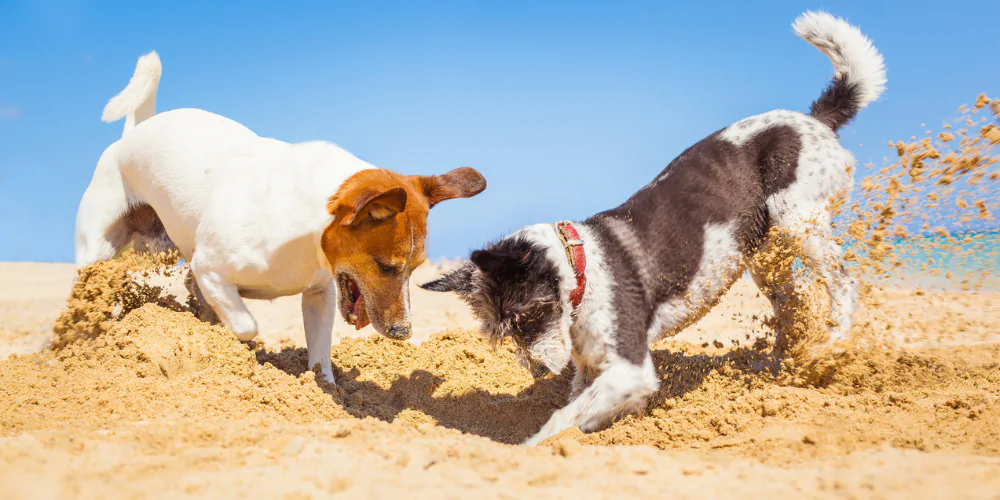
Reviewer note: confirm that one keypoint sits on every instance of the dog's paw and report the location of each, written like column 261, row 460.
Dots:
column 546, row 432
column 534, row 440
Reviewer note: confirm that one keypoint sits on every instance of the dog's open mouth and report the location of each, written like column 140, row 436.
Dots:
column 352, row 302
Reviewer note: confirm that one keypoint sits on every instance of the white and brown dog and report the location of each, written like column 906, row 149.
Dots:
column 261, row 218
column 598, row 292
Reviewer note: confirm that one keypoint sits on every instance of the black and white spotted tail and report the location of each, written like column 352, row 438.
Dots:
column 859, row 73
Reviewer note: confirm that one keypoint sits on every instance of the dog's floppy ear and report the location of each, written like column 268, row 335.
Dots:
column 459, row 280
column 462, row 182
column 372, row 205
column 491, row 262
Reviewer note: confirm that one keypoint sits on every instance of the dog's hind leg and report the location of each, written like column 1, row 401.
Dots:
column 813, row 238
column 622, row 387
column 825, row 257
column 772, row 272
column 102, row 229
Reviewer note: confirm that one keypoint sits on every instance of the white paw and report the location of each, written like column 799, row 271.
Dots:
column 551, row 428
column 327, row 376
column 246, row 335
column 245, row 328
column 534, row 440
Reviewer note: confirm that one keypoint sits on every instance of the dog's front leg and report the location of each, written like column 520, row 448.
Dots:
column 583, row 376
column 621, row 388
column 225, row 298
column 318, row 309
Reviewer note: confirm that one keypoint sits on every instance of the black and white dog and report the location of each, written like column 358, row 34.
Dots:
column 598, row 292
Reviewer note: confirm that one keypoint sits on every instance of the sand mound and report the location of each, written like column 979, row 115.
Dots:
column 160, row 363
column 162, row 404
column 709, row 397
column 153, row 363
column 108, row 291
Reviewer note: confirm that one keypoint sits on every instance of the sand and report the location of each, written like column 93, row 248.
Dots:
column 162, row 404
column 131, row 391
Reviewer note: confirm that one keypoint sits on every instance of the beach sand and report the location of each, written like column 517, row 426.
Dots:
column 162, row 405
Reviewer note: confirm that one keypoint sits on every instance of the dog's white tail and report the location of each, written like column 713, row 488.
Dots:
column 138, row 101
column 859, row 74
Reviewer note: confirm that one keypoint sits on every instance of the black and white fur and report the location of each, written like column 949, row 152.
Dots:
column 661, row 260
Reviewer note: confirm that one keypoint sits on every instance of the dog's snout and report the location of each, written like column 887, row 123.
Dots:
column 400, row 332
column 538, row 370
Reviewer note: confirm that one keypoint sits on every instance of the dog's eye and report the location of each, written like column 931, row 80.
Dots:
column 387, row 269
column 521, row 320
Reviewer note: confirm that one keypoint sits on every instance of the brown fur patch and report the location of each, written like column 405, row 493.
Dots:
column 378, row 232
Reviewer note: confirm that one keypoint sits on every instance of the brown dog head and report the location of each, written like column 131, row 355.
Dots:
column 376, row 240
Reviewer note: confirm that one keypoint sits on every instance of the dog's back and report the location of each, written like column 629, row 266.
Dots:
column 168, row 161
column 157, row 178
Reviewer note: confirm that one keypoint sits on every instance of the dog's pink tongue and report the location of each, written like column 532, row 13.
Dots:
column 362, row 320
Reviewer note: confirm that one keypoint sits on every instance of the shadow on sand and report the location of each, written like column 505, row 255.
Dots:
column 508, row 414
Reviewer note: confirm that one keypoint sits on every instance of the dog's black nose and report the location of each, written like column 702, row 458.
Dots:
column 400, row 332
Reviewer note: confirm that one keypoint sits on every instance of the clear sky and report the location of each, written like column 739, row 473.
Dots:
column 566, row 107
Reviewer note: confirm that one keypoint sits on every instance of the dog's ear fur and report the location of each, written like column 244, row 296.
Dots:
column 505, row 266
column 491, row 262
column 459, row 280
column 370, row 206
column 462, row 182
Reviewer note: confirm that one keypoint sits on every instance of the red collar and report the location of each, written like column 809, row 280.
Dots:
column 577, row 259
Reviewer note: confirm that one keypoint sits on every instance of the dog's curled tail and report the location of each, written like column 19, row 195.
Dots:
column 138, row 101
column 859, row 73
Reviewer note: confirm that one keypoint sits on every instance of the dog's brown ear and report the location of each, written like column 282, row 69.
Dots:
column 370, row 205
column 462, row 182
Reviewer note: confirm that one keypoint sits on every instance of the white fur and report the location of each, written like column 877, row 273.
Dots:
column 319, row 306
column 802, row 209
column 852, row 54
column 554, row 348
column 585, row 337
column 409, row 259
column 823, row 165
column 719, row 267
column 247, row 211
column 138, row 101
column 595, row 322
column 622, row 387
column 604, row 384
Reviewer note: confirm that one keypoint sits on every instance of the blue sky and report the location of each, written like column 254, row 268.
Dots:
column 566, row 107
